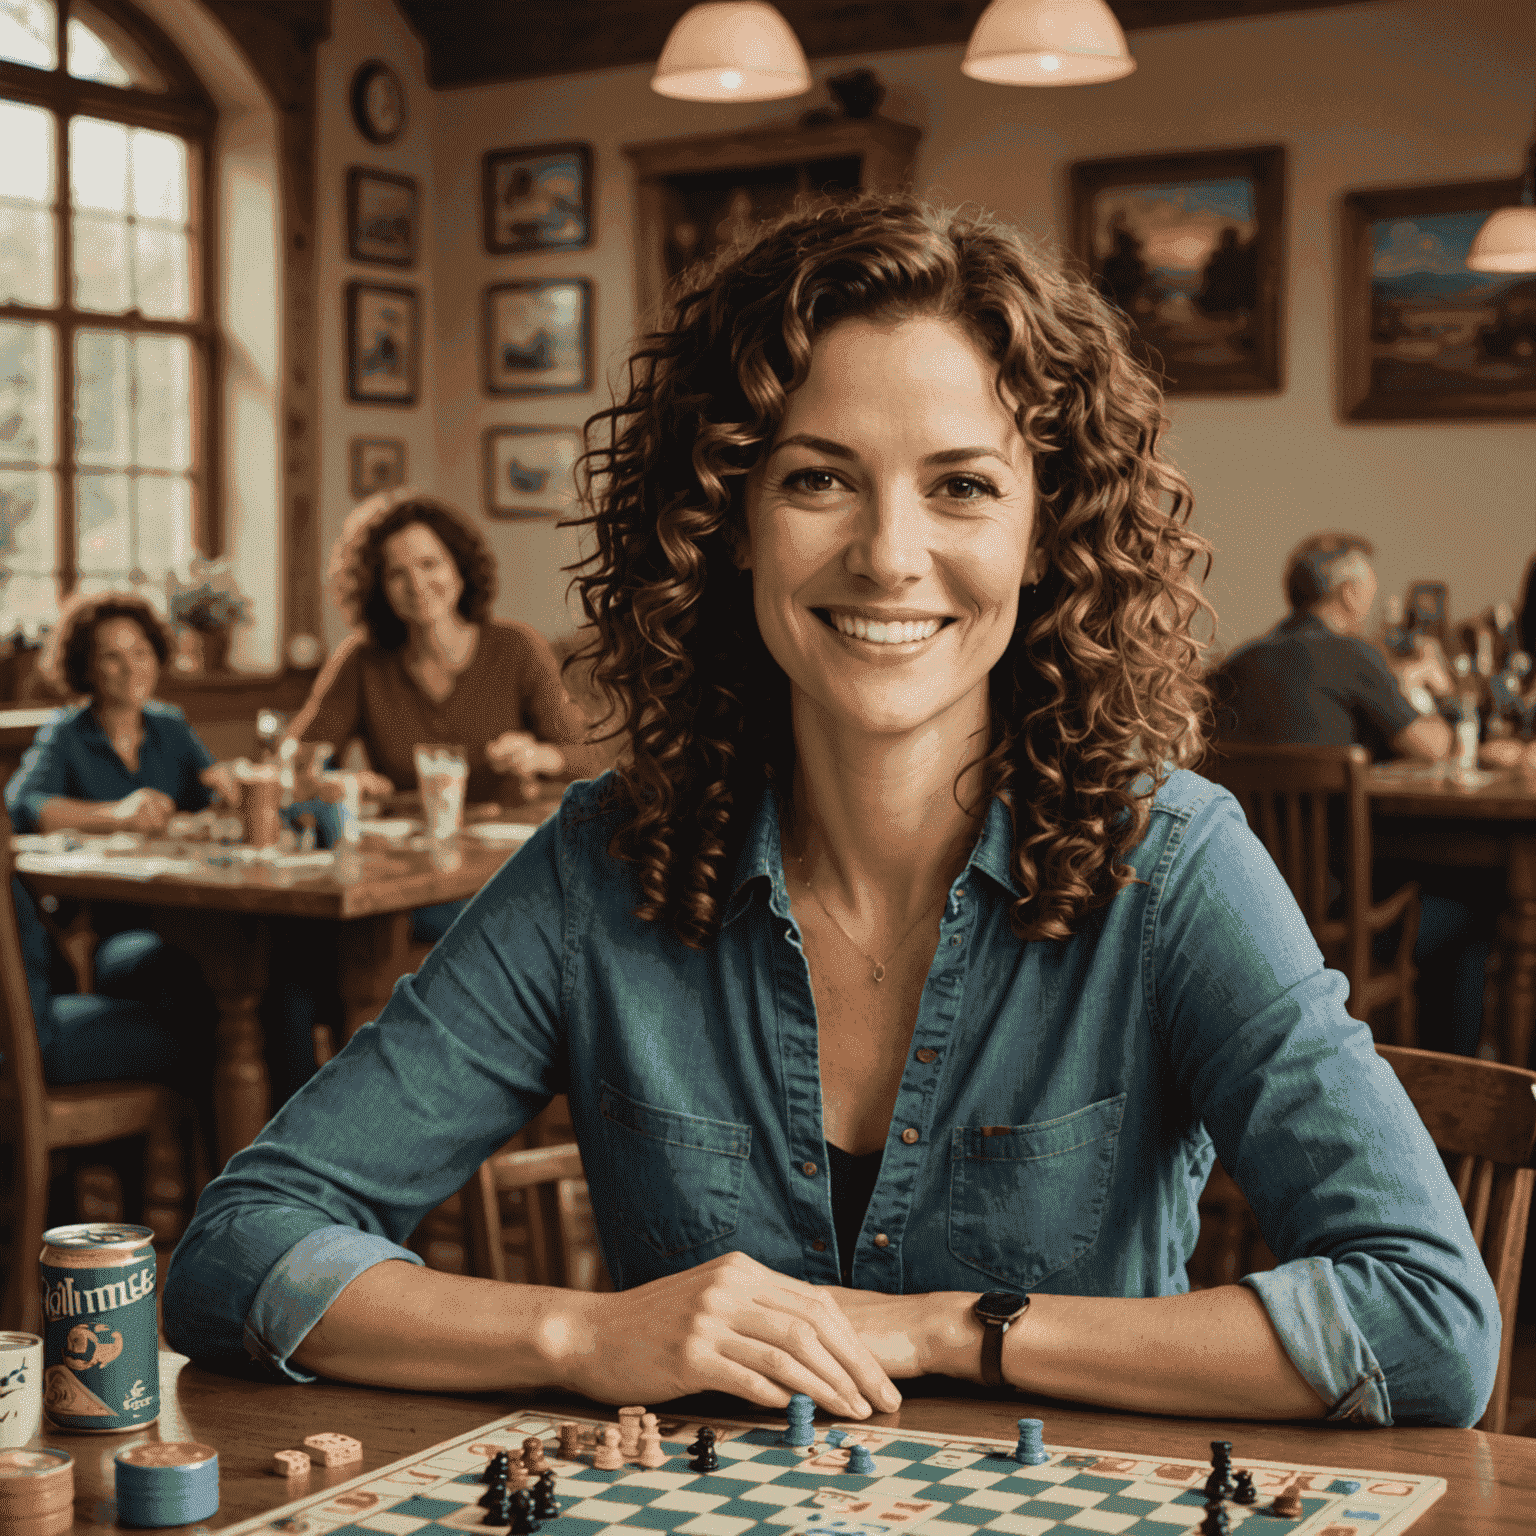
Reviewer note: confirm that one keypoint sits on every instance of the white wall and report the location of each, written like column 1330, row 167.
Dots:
column 369, row 29
column 1395, row 93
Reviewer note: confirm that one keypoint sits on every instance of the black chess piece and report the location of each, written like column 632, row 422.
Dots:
column 1217, row 1486
column 523, row 1522
column 544, row 1505
column 498, row 1467
column 703, row 1452
column 1245, row 1492
column 495, row 1493
column 499, row 1512
column 1216, row 1522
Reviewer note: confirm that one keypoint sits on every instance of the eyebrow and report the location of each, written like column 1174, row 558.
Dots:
column 835, row 450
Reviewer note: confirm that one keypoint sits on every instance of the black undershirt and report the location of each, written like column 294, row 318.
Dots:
column 853, row 1182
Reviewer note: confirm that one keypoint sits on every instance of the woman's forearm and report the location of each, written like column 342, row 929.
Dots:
column 62, row 814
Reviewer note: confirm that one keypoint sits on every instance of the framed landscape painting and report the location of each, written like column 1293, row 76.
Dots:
column 381, row 217
column 1189, row 247
column 538, row 337
column 530, row 471
column 1424, row 337
column 538, row 198
column 383, row 344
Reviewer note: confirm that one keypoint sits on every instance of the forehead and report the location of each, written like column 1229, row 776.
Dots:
column 415, row 541
column 119, row 633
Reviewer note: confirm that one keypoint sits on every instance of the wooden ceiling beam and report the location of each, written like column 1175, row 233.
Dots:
column 480, row 42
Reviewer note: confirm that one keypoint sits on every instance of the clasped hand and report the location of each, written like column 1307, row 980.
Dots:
column 522, row 753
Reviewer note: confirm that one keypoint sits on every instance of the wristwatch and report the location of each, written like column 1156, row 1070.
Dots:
column 997, row 1311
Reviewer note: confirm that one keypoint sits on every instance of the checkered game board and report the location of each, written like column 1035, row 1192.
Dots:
column 935, row 1484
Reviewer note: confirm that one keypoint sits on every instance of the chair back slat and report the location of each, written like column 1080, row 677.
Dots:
column 1466, row 1165
column 1316, row 904
column 1482, row 1196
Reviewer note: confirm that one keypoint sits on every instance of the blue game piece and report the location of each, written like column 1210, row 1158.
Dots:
column 801, row 1411
column 1344, row 1485
column 1030, row 1451
column 835, row 1437
column 860, row 1462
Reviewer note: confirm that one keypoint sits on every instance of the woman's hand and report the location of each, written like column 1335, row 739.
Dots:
column 145, row 810
column 524, row 754
column 921, row 1335
column 731, row 1325
column 220, row 778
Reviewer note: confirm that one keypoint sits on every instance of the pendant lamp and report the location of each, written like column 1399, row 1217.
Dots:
column 731, row 50
column 1507, row 240
column 1047, row 42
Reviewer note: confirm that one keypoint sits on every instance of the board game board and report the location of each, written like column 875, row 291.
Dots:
column 935, row 1484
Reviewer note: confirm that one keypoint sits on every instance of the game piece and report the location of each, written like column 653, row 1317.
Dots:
column 496, row 1468
column 1344, row 1485
column 1218, row 1485
column 522, row 1522
column 37, row 1491
column 860, row 1462
column 650, row 1454
column 1216, row 1522
column 533, row 1456
column 497, row 1493
column 608, row 1457
column 569, row 1432
column 544, row 1505
column 835, row 1437
column 332, row 1450
column 166, row 1482
column 1287, row 1503
column 290, row 1463
column 629, row 1432
column 1244, row 1492
column 703, row 1452
column 1030, row 1451
column 800, row 1412
column 500, row 1513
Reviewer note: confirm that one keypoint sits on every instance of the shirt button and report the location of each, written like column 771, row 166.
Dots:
column 808, row 1169
column 817, row 1246
column 881, row 1240
column 925, row 1055
column 954, row 942
column 911, row 1135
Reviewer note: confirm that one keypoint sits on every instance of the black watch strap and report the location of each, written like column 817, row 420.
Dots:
column 997, row 1311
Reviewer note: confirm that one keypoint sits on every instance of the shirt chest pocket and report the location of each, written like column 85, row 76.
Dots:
column 1026, row 1200
column 677, row 1177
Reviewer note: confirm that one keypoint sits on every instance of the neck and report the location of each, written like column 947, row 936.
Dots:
column 445, row 639
column 118, row 720
column 875, row 817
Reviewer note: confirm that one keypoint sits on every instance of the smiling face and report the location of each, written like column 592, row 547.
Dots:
column 889, row 528
column 124, row 667
column 421, row 578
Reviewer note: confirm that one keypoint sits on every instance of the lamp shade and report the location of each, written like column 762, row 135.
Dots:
column 1506, row 242
column 731, row 50
column 1047, row 42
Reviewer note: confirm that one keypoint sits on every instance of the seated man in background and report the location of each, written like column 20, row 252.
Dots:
column 1314, row 681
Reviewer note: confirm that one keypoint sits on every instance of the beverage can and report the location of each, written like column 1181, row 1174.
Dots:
column 101, row 1356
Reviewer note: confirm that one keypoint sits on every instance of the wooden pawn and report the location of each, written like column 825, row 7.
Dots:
column 608, row 1457
column 629, row 1432
column 650, row 1453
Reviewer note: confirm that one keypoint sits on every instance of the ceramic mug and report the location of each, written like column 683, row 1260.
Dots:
column 21, row 1388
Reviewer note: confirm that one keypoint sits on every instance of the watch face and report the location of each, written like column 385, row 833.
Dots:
column 1000, row 1306
column 378, row 102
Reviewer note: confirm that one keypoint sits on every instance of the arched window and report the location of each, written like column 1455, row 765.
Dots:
column 108, row 443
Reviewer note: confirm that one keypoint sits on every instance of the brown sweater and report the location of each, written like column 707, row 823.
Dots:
column 512, row 683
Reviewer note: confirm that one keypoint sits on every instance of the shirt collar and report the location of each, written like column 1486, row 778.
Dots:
column 761, row 856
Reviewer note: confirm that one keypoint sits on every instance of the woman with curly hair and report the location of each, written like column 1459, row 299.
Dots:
column 903, row 983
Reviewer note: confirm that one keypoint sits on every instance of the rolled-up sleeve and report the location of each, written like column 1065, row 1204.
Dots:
column 1381, row 1299
column 42, row 775
column 463, row 1055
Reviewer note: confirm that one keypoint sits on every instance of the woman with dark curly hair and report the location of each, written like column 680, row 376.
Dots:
column 903, row 984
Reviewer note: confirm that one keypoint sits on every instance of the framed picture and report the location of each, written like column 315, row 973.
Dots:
column 378, row 464
column 381, row 217
column 383, row 344
column 1424, row 338
column 538, row 198
column 538, row 337
column 529, row 471
column 1189, row 247
column 378, row 102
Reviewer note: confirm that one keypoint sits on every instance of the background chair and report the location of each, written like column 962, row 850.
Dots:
column 1482, row 1117
column 1308, row 807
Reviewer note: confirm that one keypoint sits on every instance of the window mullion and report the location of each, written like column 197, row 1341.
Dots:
column 68, row 532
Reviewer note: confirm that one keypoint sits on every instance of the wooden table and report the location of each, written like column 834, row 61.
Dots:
column 219, row 915
column 1487, row 821
column 1492, row 1478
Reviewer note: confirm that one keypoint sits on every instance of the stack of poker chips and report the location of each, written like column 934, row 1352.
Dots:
column 37, row 1491
column 167, row 1482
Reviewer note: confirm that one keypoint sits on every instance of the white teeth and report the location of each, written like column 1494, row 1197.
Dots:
column 900, row 633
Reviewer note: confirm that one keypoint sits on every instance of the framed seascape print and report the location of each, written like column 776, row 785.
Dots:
column 1189, row 247
column 530, row 471
column 538, row 198
column 381, row 217
column 378, row 464
column 383, row 344
column 538, row 337
column 1425, row 338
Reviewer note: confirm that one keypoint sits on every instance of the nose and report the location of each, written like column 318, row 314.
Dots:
column 890, row 543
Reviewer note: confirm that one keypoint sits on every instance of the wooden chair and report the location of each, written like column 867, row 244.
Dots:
column 39, row 1120
column 1296, row 799
column 1482, row 1117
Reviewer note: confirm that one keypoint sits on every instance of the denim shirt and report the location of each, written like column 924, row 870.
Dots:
column 1065, row 1124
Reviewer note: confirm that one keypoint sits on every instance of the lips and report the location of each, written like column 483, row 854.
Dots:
column 893, row 633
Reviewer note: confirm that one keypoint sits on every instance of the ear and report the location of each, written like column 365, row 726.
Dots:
column 740, row 546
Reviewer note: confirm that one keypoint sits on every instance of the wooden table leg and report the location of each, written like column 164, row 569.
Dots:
column 1517, row 962
column 231, row 947
column 375, row 953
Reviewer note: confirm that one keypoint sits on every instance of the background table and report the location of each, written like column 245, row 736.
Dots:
column 218, row 915
column 1421, row 813
column 1492, row 1478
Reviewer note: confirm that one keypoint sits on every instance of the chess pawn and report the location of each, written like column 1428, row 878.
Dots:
column 496, row 1468
column 544, row 1505
column 1287, row 1503
column 629, row 1432
column 522, row 1522
column 703, row 1452
column 650, row 1454
column 1245, row 1492
column 569, row 1432
column 533, row 1455
column 516, row 1477
column 860, row 1462
column 499, row 1513
column 608, row 1457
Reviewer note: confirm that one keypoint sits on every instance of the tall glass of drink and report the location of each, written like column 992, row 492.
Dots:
column 441, row 771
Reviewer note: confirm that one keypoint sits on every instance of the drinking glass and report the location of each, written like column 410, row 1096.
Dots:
column 441, row 770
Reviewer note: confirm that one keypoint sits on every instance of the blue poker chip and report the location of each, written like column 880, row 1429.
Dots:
column 166, row 1482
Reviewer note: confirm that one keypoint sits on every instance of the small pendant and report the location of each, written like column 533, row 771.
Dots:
column 879, row 972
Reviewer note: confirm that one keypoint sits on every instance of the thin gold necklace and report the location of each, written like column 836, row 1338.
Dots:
column 878, row 971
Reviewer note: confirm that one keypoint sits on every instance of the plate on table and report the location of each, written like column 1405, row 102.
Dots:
column 394, row 828
column 501, row 833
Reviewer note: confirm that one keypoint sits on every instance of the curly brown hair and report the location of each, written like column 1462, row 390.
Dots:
column 66, row 661
column 357, row 561
column 1098, row 693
